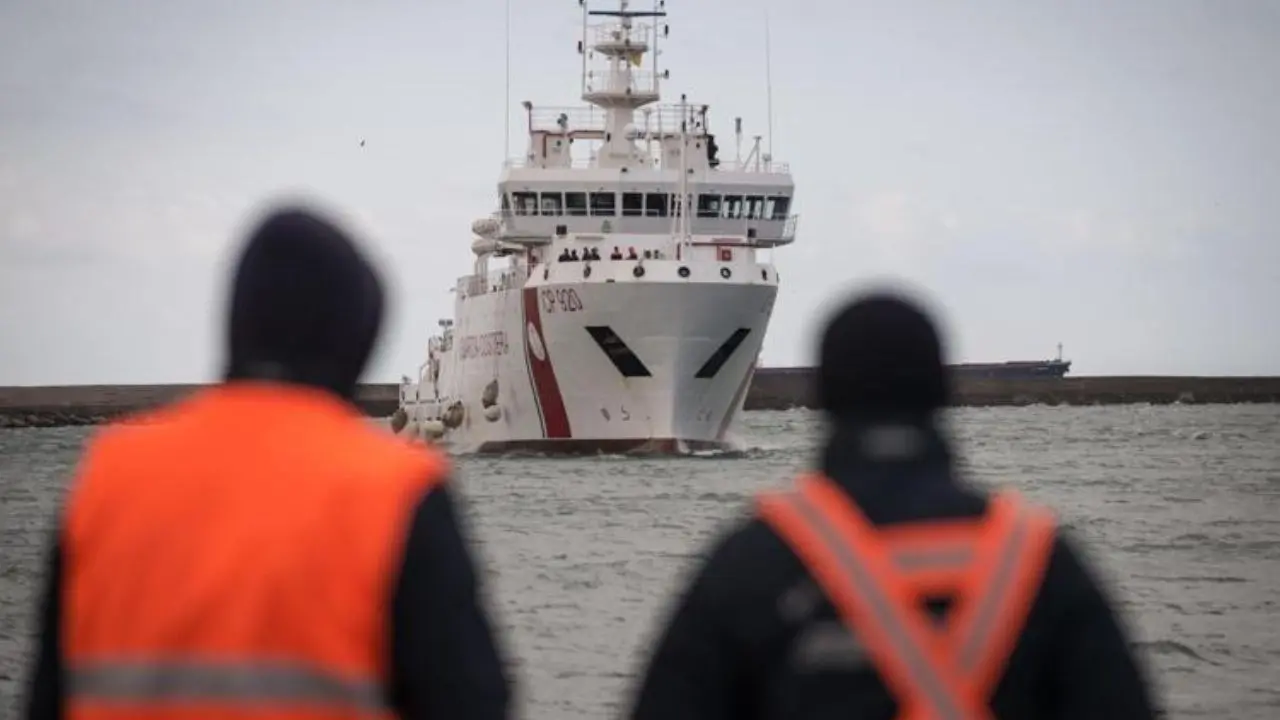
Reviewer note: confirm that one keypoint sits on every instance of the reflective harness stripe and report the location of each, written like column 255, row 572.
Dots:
column 875, row 580
column 220, row 683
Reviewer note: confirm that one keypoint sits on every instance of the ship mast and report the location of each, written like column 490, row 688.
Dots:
column 615, row 84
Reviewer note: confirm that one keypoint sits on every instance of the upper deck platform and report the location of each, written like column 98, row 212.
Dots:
column 588, row 163
column 658, row 137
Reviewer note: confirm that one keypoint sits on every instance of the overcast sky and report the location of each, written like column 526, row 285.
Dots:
column 1098, row 173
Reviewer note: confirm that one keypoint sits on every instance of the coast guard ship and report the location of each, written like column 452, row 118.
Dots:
column 620, row 294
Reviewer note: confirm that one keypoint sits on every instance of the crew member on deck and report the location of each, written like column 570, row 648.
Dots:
column 883, row 586
column 259, row 548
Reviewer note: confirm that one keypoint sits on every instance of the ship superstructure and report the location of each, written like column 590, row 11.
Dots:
column 620, row 295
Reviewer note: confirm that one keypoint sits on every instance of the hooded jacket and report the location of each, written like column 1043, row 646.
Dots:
column 738, row 644
column 306, row 308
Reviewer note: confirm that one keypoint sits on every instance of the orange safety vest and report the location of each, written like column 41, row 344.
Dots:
column 878, row 579
column 235, row 555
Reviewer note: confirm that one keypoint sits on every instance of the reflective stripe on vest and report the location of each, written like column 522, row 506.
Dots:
column 876, row 579
column 220, row 683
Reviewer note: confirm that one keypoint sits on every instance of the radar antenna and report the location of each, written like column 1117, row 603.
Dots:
column 616, row 84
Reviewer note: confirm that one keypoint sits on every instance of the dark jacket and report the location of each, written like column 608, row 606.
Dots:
column 753, row 637
column 444, row 664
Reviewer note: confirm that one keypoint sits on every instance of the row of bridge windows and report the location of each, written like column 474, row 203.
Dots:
column 606, row 204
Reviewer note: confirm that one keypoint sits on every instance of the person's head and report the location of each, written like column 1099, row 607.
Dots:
column 306, row 306
column 881, row 358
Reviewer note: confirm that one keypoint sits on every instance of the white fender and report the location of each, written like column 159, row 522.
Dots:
column 486, row 227
column 492, row 413
column 484, row 246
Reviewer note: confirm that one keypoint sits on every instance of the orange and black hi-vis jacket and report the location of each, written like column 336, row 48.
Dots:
column 233, row 556
column 879, row 579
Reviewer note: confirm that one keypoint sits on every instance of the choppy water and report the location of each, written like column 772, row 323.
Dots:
column 1181, row 505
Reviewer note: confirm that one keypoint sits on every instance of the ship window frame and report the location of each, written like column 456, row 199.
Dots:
column 602, row 209
column 578, row 208
column 633, row 198
column 557, row 208
column 753, row 207
column 504, row 202
column 709, row 205
column 732, row 207
column 677, row 206
column 663, row 204
column 781, row 207
column 524, row 201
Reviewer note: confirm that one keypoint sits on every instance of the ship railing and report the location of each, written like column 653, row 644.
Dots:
column 785, row 235
column 762, row 232
column 496, row 281
column 638, row 82
column 575, row 163
column 766, row 232
column 664, row 118
column 611, row 33
column 584, row 163
column 771, row 167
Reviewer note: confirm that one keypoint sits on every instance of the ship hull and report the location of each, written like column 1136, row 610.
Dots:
column 598, row 366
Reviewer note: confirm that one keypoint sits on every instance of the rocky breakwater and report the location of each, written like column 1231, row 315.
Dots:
column 60, row 406
column 771, row 389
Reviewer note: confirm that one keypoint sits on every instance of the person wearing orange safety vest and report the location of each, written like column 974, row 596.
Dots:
column 882, row 586
column 259, row 548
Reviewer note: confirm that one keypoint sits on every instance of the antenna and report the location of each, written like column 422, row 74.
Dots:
column 768, row 82
column 506, row 101
column 677, row 214
column 684, row 169
column 737, row 133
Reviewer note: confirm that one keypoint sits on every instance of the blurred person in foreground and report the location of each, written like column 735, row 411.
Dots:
column 883, row 586
column 259, row 548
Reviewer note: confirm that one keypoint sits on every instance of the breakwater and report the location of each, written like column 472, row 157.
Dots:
column 772, row 389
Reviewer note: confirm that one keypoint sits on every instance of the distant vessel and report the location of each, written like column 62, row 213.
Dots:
column 1010, row 370
column 619, row 298
column 1015, row 369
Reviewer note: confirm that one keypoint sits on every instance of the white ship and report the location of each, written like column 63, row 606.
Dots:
column 601, row 316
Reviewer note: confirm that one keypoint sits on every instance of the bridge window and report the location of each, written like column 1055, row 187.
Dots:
column 781, row 206
column 552, row 203
column 575, row 203
column 655, row 205
column 632, row 204
column 506, row 201
column 755, row 207
column 526, row 203
column 676, row 206
column 708, row 206
column 604, row 204
column 732, row 208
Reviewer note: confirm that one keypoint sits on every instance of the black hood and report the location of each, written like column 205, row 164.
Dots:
column 881, row 359
column 306, row 306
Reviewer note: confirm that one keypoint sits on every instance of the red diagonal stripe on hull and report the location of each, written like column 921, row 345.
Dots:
column 554, row 417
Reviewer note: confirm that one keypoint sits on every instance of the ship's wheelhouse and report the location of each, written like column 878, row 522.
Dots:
column 757, row 210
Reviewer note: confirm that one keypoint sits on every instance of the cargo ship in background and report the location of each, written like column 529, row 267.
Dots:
column 1014, row 369
column 1009, row 370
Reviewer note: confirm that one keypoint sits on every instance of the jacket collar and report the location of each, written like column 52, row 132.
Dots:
column 889, row 443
